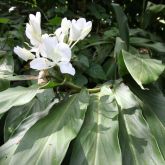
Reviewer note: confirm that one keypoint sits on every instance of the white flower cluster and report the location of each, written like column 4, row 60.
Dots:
column 47, row 51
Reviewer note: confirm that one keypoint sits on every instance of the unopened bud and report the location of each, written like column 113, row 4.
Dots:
column 42, row 77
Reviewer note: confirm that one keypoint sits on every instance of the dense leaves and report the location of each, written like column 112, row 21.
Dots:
column 111, row 111
column 16, row 96
column 60, row 126
column 143, row 70
column 98, row 142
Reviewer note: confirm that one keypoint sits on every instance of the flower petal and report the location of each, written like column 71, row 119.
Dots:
column 65, row 52
column 79, row 29
column 86, row 30
column 33, row 29
column 48, row 46
column 23, row 53
column 60, row 36
column 75, row 31
column 65, row 25
column 41, row 64
column 67, row 68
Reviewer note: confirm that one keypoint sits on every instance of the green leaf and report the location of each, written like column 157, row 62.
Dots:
column 119, row 46
column 16, row 96
column 17, row 115
column 156, row 127
column 102, row 52
column 80, row 79
column 112, row 33
column 17, row 78
column 110, row 68
column 122, row 23
column 49, row 138
column 97, row 143
column 82, row 61
column 55, row 21
column 137, row 143
column 157, row 46
column 144, row 42
column 4, row 20
column 96, row 71
column 7, row 150
column 143, row 71
column 153, row 103
column 4, row 84
column 139, row 40
column 6, row 64
column 152, row 12
column 155, row 8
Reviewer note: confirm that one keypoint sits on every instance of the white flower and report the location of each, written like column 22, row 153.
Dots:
column 33, row 29
column 54, row 53
column 23, row 53
column 66, row 67
column 65, row 25
column 12, row 9
column 37, row 49
column 62, row 32
column 79, row 29
column 41, row 63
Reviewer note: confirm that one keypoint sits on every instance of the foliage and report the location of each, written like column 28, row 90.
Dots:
column 110, row 112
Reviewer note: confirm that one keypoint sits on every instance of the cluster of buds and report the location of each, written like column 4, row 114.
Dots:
column 47, row 51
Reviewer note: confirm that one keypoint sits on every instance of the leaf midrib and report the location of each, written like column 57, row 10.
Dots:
column 97, row 134
column 49, row 137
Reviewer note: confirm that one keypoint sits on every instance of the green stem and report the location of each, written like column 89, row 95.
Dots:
column 73, row 86
column 77, row 88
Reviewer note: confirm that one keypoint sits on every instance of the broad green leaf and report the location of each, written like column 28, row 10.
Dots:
column 137, row 142
column 96, row 71
column 83, row 60
column 4, row 20
column 49, row 138
column 55, row 21
column 143, row 42
column 97, row 11
column 153, row 11
column 156, row 127
column 153, row 102
column 4, row 84
column 17, row 78
column 80, row 79
column 155, row 8
column 6, row 65
column 102, row 52
column 110, row 68
column 143, row 70
column 96, row 43
column 112, row 33
column 122, row 23
column 157, row 46
column 7, row 150
column 97, row 143
column 2, row 52
column 139, row 40
column 119, row 46
column 16, row 96
column 17, row 115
